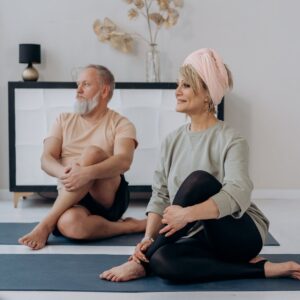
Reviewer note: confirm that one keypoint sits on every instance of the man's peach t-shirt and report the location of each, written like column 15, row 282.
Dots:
column 76, row 133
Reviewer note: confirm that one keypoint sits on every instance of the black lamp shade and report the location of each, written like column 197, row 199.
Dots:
column 30, row 53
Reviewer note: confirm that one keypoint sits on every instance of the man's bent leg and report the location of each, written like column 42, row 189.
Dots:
column 93, row 220
column 37, row 238
column 105, row 204
column 78, row 223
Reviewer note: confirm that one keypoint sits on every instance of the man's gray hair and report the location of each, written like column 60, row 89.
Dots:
column 105, row 76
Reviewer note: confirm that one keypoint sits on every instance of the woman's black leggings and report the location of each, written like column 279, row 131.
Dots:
column 222, row 250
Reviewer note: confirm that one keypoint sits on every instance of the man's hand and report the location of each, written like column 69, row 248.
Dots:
column 175, row 218
column 75, row 177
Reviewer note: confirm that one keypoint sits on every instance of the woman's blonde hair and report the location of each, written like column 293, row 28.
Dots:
column 190, row 75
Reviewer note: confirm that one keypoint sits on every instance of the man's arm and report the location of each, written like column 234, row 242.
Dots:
column 77, row 176
column 115, row 165
column 50, row 157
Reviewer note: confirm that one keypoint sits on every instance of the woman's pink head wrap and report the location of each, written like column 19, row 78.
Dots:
column 211, row 69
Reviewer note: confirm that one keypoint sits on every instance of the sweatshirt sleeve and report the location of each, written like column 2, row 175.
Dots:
column 234, row 197
column 160, row 195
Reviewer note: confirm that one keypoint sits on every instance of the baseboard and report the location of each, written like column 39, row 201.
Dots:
column 286, row 194
column 5, row 194
column 256, row 194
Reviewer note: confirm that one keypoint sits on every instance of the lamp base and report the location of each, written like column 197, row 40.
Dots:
column 30, row 73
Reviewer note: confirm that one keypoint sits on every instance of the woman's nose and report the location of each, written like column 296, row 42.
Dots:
column 178, row 90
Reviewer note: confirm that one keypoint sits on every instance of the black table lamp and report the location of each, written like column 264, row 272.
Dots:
column 30, row 54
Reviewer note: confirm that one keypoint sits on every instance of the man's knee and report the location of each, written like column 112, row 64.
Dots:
column 71, row 224
column 92, row 155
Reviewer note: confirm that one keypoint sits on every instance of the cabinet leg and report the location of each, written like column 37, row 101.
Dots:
column 19, row 195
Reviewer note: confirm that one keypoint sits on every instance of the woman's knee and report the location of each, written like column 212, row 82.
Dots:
column 71, row 223
column 201, row 177
column 92, row 155
column 196, row 188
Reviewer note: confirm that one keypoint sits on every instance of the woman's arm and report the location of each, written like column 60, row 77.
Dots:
column 234, row 198
column 152, row 229
column 203, row 211
column 153, row 225
column 158, row 202
column 176, row 217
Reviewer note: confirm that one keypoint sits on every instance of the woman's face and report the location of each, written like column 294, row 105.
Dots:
column 187, row 101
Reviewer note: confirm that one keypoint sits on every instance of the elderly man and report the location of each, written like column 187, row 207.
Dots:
column 88, row 151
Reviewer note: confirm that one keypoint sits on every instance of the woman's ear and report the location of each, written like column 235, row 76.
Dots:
column 206, row 99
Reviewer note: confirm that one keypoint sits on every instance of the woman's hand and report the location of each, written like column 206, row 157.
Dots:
column 175, row 217
column 140, row 249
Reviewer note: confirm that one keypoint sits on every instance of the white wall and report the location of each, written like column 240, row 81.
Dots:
column 258, row 39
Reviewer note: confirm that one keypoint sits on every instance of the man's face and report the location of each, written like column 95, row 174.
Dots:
column 88, row 84
column 88, row 92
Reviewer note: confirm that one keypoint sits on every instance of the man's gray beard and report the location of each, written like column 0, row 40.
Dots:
column 84, row 107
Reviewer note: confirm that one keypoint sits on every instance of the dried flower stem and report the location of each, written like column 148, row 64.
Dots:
column 140, row 36
column 148, row 5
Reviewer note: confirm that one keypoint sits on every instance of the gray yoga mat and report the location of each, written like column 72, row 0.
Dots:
column 11, row 232
column 65, row 272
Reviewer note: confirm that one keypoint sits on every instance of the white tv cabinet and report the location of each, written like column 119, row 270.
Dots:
column 33, row 107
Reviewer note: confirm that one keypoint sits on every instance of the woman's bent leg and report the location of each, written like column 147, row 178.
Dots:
column 196, row 188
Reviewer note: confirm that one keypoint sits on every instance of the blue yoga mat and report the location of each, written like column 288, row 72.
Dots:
column 64, row 272
column 11, row 232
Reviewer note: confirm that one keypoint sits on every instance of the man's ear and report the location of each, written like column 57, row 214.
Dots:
column 105, row 91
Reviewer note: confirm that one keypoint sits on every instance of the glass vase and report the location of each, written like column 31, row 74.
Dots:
column 152, row 64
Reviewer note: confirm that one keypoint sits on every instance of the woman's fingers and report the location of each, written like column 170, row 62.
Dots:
column 165, row 229
column 141, row 256
column 140, row 250
column 168, row 230
column 172, row 231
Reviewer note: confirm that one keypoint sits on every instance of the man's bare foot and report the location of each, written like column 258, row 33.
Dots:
column 284, row 269
column 125, row 272
column 37, row 238
column 134, row 225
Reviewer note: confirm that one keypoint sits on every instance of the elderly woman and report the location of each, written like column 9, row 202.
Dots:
column 201, row 224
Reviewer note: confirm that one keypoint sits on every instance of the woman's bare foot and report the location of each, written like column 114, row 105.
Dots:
column 256, row 259
column 134, row 225
column 125, row 272
column 37, row 238
column 284, row 269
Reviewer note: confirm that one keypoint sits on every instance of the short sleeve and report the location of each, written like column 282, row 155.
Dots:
column 126, row 129
column 56, row 129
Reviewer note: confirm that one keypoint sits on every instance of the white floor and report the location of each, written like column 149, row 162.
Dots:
column 285, row 223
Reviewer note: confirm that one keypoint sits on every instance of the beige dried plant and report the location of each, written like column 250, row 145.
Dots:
column 108, row 32
column 157, row 13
